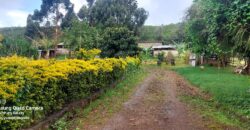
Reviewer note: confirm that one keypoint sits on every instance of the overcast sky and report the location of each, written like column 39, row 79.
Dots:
column 15, row 12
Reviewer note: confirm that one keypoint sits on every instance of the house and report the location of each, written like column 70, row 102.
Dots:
column 165, row 49
column 51, row 53
column 61, row 50
column 148, row 45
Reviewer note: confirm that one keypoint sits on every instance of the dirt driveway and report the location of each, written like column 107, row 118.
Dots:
column 155, row 106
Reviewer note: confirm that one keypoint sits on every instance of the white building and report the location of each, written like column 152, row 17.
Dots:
column 148, row 45
column 165, row 49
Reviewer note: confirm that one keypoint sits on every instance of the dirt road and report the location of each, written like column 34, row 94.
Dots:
column 155, row 106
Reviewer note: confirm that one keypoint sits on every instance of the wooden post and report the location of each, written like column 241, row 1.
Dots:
column 202, row 59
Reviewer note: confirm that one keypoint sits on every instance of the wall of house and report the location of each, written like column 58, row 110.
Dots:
column 62, row 51
column 174, row 52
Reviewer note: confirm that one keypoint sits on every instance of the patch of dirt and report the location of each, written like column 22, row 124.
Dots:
column 187, row 89
column 155, row 106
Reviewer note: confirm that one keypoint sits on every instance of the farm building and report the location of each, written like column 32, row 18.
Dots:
column 165, row 49
column 60, row 50
column 148, row 45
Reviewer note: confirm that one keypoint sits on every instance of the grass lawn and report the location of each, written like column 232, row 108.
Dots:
column 230, row 92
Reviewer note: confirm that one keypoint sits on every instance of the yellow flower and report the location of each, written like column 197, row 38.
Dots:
column 16, row 72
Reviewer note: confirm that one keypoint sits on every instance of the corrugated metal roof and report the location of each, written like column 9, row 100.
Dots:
column 62, row 43
column 164, row 47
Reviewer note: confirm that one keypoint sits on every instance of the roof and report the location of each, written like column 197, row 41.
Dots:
column 60, row 44
column 164, row 47
column 148, row 44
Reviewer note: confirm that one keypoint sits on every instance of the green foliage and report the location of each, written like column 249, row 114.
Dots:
column 81, row 35
column 52, row 84
column 50, row 16
column 118, row 42
column 14, row 42
column 83, row 13
column 60, row 125
column 150, row 33
column 219, row 27
column 109, row 13
column 69, row 18
column 146, row 55
column 87, row 54
column 44, row 43
column 1, row 40
column 160, row 58
column 111, row 101
column 19, row 46
column 168, row 34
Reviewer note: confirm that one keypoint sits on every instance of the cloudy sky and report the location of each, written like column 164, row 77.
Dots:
column 15, row 12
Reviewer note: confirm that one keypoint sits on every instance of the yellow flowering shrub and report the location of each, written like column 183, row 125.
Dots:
column 133, row 61
column 87, row 54
column 51, row 83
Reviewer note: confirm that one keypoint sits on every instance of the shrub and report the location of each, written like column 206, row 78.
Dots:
column 87, row 54
column 160, row 58
column 118, row 42
column 51, row 84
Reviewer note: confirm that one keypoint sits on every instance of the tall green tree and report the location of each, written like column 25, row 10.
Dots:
column 168, row 34
column 83, row 13
column 69, row 18
column 220, row 27
column 32, row 29
column 109, row 13
column 81, row 35
column 1, row 40
column 118, row 42
column 50, row 16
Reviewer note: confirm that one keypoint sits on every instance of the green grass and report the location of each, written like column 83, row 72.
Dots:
column 230, row 92
column 104, row 107
column 216, row 119
column 61, row 57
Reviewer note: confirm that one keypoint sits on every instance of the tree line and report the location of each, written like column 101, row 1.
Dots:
column 103, row 24
column 110, row 25
column 167, row 34
column 219, row 27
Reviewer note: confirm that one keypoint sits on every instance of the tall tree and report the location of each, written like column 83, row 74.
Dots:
column 118, row 42
column 1, row 40
column 81, row 35
column 69, row 18
column 90, row 3
column 83, row 13
column 51, row 15
column 32, row 29
column 108, row 13
column 220, row 26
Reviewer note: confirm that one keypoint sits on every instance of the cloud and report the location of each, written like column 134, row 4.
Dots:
column 164, row 11
column 1, row 24
column 15, row 12
column 13, row 18
column 78, row 4
column 144, row 3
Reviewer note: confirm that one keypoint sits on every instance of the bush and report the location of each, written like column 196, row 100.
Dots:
column 160, row 58
column 87, row 54
column 51, row 84
column 118, row 42
column 170, row 58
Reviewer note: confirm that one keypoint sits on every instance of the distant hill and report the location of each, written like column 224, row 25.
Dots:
column 168, row 34
column 13, row 31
